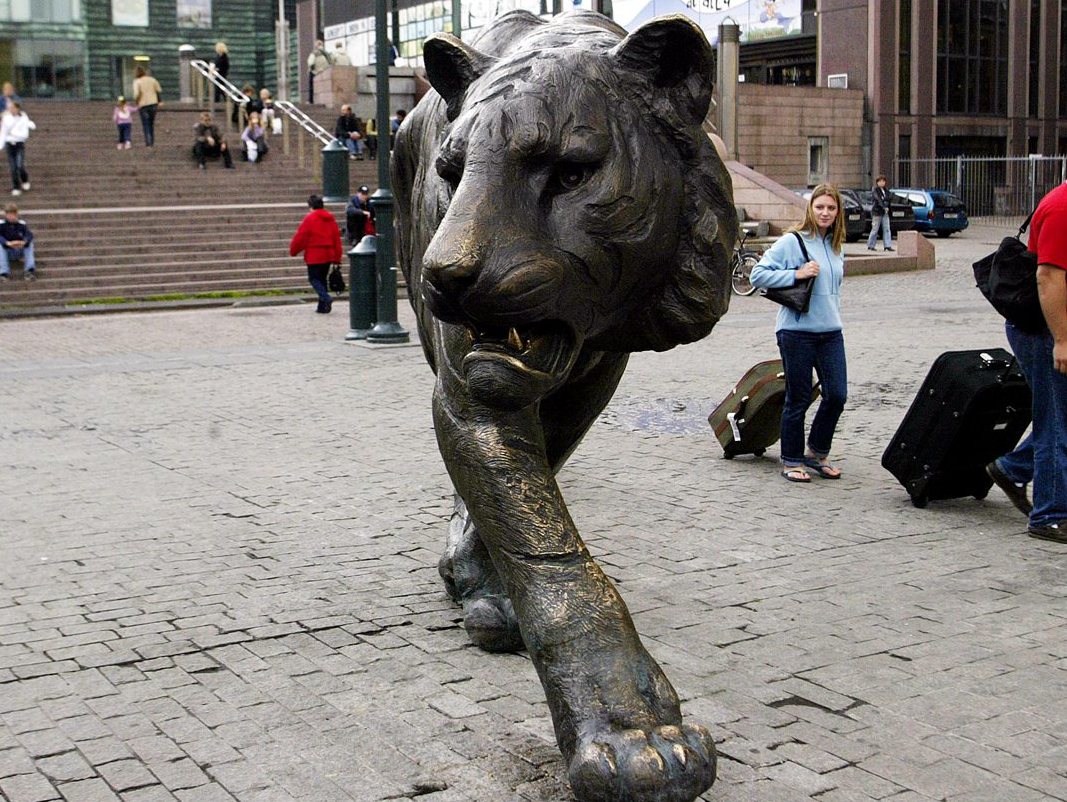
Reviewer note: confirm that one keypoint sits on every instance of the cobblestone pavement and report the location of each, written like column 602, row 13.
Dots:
column 218, row 537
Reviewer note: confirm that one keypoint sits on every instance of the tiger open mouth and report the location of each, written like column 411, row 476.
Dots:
column 541, row 348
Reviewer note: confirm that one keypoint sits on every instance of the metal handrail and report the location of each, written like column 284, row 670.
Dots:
column 305, row 122
column 208, row 71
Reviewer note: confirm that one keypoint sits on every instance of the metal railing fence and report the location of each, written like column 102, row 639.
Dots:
column 1000, row 190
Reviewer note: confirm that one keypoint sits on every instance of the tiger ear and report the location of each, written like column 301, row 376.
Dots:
column 674, row 54
column 451, row 67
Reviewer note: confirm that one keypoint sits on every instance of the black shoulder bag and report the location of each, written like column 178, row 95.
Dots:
column 335, row 280
column 1008, row 279
column 797, row 297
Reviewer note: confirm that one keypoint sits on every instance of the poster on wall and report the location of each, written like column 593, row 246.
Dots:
column 194, row 14
column 759, row 19
column 129, row 13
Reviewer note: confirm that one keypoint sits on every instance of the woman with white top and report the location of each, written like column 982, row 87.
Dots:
column 15, row 127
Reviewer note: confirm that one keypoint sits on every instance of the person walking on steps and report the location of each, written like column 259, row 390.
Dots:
column 319, row 239
column 146, row 92
column 810, row 340
column 15, row 127
column 880, row 216
column 1041, row 459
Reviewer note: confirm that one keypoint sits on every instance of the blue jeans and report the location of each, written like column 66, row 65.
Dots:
column 802, row 352
column 124, row 132
column 317, row 279
column 148, row 123
column 355, row 146
column 1041, row 458
column 880, row 221
column 16, row 160
column 7, row 255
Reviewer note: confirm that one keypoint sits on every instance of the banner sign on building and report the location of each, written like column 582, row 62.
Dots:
column 759, row 19
column 129, row 13
column 194, row 14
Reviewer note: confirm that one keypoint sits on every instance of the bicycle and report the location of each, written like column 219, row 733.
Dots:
column 741, row 267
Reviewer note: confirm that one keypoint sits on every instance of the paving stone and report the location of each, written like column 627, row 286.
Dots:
column 27, row 788
column 125, row 775
column 94, row 790
column 64, row 768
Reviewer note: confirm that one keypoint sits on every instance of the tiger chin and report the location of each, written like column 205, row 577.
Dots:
column 559, row 207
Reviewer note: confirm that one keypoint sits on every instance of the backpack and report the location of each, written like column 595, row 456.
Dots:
column 1008, row 280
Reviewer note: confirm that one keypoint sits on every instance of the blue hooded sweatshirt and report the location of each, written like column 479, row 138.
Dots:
column 778, row 268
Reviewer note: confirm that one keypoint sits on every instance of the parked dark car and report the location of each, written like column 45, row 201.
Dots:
column 936, row 210
column 857, row 221
column 900, row 214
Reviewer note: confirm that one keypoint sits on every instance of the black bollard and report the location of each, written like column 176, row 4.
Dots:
column 387, row 329
column 361, row 288
column 335, row 173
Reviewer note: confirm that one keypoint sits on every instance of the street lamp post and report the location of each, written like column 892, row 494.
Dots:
column 282, row 32
column 386, row 329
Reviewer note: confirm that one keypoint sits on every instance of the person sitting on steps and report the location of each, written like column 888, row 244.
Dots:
column 209, row 142
column 253, row 139
column 16, row 242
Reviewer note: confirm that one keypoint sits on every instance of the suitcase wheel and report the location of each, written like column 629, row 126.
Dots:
column 759, row 452
column 728, row 455
column 981, row 495
column 919, row 501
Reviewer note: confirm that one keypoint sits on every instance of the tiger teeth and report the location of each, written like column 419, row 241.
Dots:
column 514, row 340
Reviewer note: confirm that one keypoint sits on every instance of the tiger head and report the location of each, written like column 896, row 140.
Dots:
column 584, row 205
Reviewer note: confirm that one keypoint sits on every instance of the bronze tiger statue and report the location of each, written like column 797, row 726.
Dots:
column 558, row 207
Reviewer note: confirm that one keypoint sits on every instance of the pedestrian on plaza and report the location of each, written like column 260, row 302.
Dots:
column 253, row 139
column 146, row 92
column 15, row 127
column 340, row 56
column 319, row 239
column 123, row 118
column 221, row 65
column 813, row 339
column 1041, row 458
column 7, row 94
column 880, row 216
column 359, row 216
column 349, row 131
column 209, row 142
column 16, row 243
column 318, row 62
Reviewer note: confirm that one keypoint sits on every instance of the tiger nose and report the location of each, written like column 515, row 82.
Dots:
column 452, row 265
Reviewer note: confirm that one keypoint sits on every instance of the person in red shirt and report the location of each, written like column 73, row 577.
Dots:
column 319, row 238
column 1042, row 457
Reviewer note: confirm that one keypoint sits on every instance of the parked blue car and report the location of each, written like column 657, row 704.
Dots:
column 935, row 210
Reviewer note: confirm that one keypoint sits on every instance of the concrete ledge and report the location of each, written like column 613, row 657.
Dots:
column 913, row 252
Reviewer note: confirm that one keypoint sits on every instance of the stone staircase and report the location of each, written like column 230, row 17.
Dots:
column 144, row 223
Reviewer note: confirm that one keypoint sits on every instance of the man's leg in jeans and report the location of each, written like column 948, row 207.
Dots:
column 887, row 233
column 1047, row 440
column 29, row 264
column 5, row 263
column 227, row 160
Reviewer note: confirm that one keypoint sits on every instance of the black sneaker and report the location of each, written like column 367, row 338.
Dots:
column 1053, row 532
column 887, row 249
column 1016, row 493
column 4, row 277
column 31, row 275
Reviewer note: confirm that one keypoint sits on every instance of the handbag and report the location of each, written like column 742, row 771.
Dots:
column 276, row 125
column 797, row 297
column 335, row 281
column 1008, row 280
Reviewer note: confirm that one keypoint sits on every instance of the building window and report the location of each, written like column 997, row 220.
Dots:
column 43, row 67
column 972, row 57
column 818, row 159
column 40, row 10
column 904, row 59
column 1063, row 65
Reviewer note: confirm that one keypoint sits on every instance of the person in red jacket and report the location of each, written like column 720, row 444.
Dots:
column 320, row 240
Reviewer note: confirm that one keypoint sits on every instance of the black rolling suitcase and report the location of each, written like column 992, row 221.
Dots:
column 972, row 408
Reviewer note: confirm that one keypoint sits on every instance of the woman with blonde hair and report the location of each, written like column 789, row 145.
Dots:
column 221, row 64
column 811, row 340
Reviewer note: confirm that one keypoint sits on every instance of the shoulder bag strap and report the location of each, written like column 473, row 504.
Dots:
column 1026, row 224
column 803, row 250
